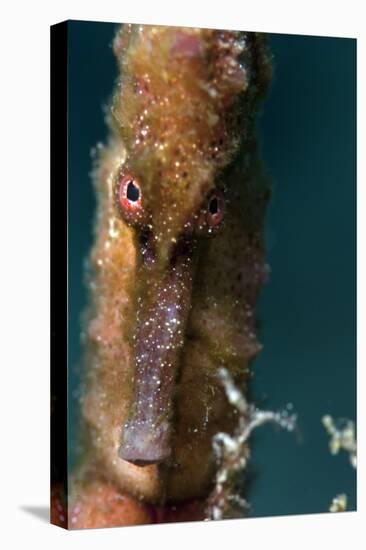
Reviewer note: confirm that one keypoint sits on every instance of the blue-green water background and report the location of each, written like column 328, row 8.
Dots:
column 307, row 311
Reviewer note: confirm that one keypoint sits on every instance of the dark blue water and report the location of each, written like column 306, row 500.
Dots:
column 307, row 311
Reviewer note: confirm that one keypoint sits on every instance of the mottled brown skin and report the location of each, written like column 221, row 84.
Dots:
column 183, row 126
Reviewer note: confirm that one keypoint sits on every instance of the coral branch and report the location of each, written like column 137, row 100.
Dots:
column 339, row 503
column 341, row 437
column 232, row 452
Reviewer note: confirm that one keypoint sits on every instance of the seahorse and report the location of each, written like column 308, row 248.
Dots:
column 174, row 273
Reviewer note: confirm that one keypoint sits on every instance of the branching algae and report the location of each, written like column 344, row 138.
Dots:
column 174, row 273
column 232, row 451
column 342, row 436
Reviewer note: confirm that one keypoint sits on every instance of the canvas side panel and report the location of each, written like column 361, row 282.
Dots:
column 59, row 246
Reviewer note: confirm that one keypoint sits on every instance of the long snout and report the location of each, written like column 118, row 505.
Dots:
column 163, row 304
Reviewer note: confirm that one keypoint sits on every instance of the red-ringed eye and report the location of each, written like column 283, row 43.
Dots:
column 215, row 208
column 129, row 193
column 129, row 200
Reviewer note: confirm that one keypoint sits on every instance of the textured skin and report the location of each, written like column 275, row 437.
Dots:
column 182, row 123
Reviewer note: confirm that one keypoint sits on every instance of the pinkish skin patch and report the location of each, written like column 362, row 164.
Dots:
column 121, row 41
column 142, row 88
column 238, row 77
column 187, row 45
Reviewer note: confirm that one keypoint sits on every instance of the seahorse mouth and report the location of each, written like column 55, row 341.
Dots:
column 145, row 443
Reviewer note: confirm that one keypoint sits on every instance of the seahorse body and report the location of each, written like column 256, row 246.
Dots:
column 174, row 273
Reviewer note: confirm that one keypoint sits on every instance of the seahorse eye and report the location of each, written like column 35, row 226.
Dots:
column 129, row 199
column 215, row 208
column 129, row 192
column 133, row 191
